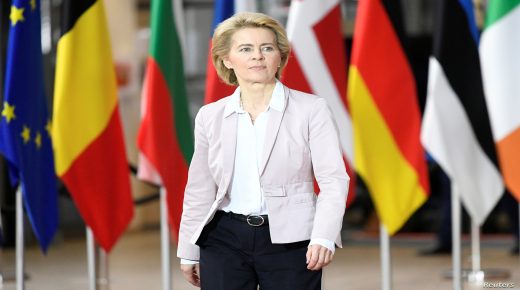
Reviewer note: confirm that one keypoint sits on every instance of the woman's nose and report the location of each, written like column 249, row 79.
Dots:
column 257, row 54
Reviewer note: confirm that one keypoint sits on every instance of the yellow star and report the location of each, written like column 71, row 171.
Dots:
column 8, row 112
column 48, row 127
column 38, row 140
column 16, row 15
column 33, row 5
column 26, row 134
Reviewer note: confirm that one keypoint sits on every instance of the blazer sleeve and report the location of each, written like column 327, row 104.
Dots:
column 329, row 171
column 199, row 194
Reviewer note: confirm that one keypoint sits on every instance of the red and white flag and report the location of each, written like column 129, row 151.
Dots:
column 318, row 63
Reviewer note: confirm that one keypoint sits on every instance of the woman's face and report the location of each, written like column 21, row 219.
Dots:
column 254, row 56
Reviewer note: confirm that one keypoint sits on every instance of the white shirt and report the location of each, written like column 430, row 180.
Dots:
column 245, row 193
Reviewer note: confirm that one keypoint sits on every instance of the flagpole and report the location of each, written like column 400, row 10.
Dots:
column 165, row 243
column 20, row 285
column 386, row 271
column 91, row 260
column 476, row 275
column 102, row 269
column 455, row 228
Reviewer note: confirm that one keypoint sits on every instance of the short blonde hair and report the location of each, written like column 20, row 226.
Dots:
column 225, row 30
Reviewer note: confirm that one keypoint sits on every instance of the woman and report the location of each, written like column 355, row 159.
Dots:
column 251, row 216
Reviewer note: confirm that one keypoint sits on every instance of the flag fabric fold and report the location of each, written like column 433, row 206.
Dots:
column 317, row 64
column 385, row 114
column 87, row 133
column 215, row 88
column 500, row 61
column 165, row 137
column 456, row 129
column 25, row 139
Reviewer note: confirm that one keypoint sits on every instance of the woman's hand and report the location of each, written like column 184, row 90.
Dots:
column 191, row 273
column 318, row 257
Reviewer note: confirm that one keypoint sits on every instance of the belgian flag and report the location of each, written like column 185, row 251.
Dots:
column 87, row 133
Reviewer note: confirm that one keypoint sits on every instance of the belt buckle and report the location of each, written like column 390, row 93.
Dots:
column 255, row 220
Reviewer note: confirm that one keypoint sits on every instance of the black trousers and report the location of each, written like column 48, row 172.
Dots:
column 237, row 256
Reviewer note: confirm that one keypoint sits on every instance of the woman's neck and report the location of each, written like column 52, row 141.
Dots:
column 256, row 97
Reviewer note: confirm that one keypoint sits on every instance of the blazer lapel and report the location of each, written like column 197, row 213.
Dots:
column 229, row 142
column 273, row 126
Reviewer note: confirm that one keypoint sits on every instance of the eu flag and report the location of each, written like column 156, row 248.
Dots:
column 25, row 125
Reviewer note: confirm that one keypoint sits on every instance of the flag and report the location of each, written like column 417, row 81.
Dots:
column 25, row 139
column 456, row 129
column 87, row 132
column 500, row 59
column 385, row 114
column 317, row 64
column 165, row 137
column 216, row 89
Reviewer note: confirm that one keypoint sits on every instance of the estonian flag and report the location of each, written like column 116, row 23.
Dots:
column 456, row 129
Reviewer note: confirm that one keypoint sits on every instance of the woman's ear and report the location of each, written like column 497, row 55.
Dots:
column 227, row 63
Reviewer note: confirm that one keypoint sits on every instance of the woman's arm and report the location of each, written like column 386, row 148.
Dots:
column 329, row 171
column 199, row 194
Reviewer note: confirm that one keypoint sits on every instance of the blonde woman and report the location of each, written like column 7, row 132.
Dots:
column 251, row 217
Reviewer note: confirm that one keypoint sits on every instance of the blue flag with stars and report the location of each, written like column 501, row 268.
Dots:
column 25, row 125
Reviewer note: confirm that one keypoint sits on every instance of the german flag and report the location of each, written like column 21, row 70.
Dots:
column 385, row 114
column 88, row 138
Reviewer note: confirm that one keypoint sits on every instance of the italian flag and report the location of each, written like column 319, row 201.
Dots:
column 165, row 137
column 500, row 61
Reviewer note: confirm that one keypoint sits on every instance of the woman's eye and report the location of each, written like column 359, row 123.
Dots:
column 268, row 48
column 245, row 49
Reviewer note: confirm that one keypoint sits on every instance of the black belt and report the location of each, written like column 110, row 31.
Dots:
column 252, row 220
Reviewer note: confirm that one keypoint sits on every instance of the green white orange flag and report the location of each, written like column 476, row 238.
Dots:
column 500, row 62
column 385, row 115
column 87, row 133
column 165, row 138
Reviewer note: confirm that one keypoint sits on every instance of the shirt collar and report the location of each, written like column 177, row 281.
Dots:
column 278, row 97
column 233, row 105
column 277, row 100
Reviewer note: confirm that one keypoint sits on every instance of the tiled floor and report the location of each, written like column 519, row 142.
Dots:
column 135, row 265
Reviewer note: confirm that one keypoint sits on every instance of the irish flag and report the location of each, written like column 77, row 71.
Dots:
column 500, row 62
column 165, row 137
column 89, row 148
column 385, row 115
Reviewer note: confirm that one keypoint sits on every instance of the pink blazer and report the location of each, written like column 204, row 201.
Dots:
column 300, row 143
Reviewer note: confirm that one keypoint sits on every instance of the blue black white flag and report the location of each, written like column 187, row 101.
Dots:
column 456, row 130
